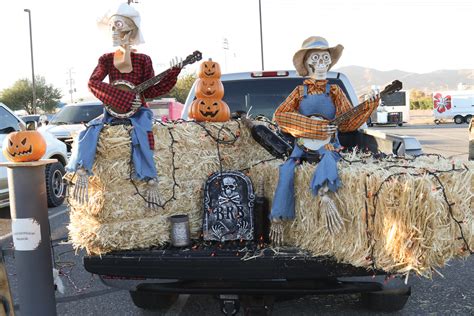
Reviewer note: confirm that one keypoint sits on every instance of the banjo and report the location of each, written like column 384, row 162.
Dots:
column 309, row 144
column 128, row 86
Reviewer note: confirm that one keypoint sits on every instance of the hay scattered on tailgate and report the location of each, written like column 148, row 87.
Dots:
column 399, row 214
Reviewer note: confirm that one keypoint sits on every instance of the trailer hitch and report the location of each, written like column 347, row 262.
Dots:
column 230, row 304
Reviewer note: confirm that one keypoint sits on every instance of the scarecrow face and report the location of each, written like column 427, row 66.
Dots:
column 122, row 29
column 317, row 63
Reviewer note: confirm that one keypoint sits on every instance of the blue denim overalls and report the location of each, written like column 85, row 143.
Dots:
column 326, row 171
column 83, row 154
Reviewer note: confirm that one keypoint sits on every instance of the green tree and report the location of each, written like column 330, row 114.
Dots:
column 20, row 95
column 181, row 89
column 420, row 100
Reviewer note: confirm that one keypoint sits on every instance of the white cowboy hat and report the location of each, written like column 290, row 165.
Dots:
column 315, row 43
column 129, row 12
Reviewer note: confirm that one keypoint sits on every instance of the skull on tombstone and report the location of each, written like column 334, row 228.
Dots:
column 229, row 185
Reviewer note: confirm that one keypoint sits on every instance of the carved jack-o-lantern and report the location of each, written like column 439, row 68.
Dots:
column 24, row 146
column 209, row 69
column 209, row 110
column 209, row 88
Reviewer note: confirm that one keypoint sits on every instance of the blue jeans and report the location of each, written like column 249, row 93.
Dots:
column 83, row 155
column 283, row 206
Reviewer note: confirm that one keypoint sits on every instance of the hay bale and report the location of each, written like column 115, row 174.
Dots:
column 395, row 212
column 116, row 216
column 399, row 214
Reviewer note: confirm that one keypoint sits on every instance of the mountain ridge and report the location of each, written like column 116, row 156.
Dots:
column 363, row 78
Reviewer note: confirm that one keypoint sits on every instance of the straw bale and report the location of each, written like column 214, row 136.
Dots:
column 395, row 211
column 116, row 216
column 406, row 226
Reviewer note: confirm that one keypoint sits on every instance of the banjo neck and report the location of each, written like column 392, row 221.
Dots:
column 391, row 88
column 196, row 56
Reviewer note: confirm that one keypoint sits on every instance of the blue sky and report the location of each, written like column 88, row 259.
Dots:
column 417, row 36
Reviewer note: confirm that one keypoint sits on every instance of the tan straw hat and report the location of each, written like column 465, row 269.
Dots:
column 315, row 43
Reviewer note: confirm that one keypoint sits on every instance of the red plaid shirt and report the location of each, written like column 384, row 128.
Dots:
column 142, row 71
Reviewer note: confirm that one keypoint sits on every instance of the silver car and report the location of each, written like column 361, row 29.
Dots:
column 55, row 149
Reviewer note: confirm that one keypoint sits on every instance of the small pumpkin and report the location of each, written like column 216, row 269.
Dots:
column 209, row 110
column 24, row 146
column 209, row 88
column 209, row 69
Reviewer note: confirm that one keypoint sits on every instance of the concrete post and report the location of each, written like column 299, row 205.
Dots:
column 31, row 237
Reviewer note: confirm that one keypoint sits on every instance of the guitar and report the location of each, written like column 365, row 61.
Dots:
column 128, row 86
column 309, row 144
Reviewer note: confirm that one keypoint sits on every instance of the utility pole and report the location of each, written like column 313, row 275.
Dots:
column 70, row 81
column 261, row 32
column 32, row 63
column 225, row 46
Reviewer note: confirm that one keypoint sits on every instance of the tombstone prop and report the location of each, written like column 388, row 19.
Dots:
column 228, row 207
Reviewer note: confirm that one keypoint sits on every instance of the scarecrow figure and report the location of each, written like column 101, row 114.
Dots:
column 306, row 114
column 124, row 65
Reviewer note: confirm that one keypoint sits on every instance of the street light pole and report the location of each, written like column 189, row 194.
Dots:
column 261, row 33
column 32, row 63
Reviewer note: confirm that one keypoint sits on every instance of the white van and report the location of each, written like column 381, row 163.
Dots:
column 453, row 105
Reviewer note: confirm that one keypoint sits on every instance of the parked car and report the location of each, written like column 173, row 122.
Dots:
column 31, row 117
column 156, row 276
column 55, row 149
column 71, row 119
column 39, row 119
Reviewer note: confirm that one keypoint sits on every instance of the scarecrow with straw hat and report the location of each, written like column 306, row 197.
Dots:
column 306, row 114
column 124, row 65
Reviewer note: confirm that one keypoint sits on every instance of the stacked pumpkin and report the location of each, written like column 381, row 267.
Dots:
column 208, row 105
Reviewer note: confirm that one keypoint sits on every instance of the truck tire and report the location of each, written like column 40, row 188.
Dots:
column 386, row 300
column 437, row 121
column 55, row 185
column 153, row 301
column 468, row 118
column 458, row 119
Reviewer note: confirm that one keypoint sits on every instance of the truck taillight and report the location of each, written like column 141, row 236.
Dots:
column 258, row 74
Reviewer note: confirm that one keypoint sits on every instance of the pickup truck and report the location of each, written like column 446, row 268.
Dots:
column 55, row 186
column 155, row 277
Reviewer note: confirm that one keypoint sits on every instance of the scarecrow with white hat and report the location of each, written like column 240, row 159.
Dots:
column 306, row 114
column 124, row 65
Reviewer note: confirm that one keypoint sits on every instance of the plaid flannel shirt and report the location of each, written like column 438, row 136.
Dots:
column 291, row 121
column 142, row 71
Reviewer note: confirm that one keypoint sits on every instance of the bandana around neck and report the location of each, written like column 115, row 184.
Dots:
column 123, row 60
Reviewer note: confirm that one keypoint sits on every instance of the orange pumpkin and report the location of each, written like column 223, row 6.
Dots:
column 209, row 110
column 209, row 69
column 209, row 88
column 24, row 146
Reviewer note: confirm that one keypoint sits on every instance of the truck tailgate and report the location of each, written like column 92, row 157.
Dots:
column 219, row 264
